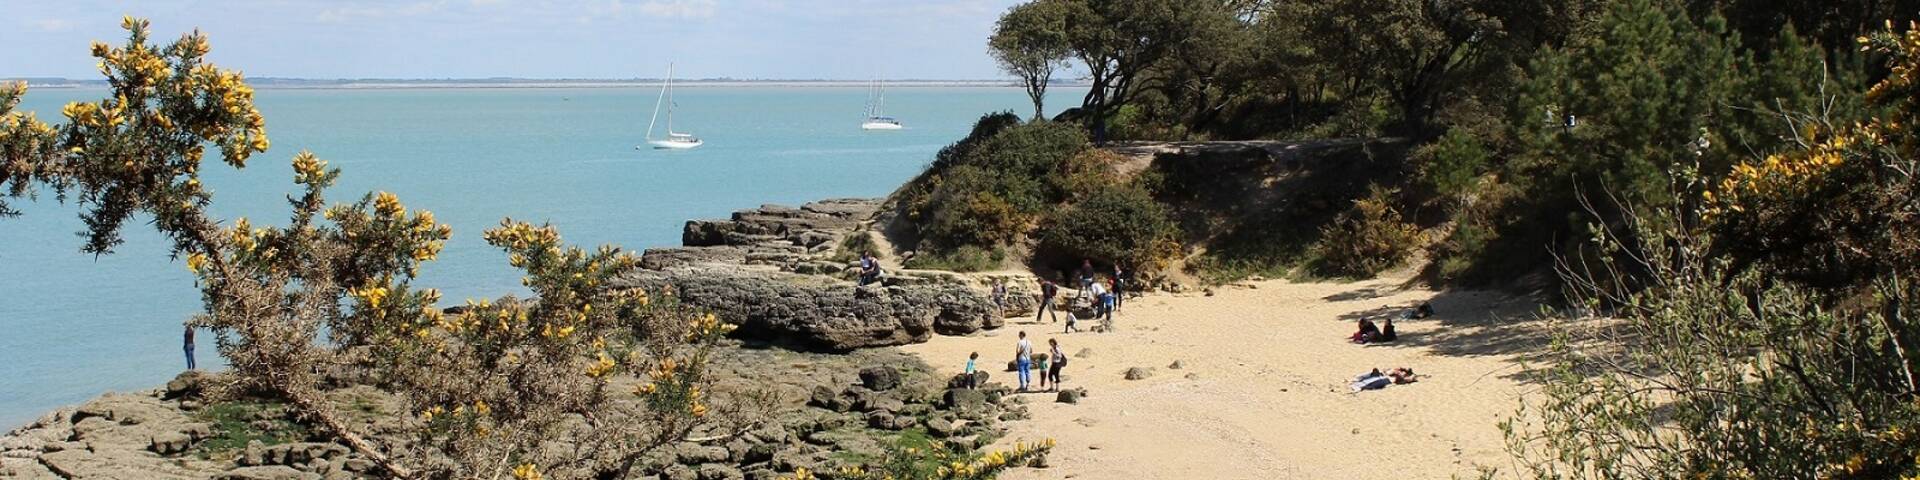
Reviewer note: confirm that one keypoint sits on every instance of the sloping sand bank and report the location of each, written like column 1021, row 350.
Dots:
column 1262, row 389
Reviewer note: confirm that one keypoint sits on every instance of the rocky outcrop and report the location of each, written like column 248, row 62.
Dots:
column 810, row 313
column 786, row 238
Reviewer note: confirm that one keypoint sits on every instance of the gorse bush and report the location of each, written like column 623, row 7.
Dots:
column 492, row 386
column 1739, row 348
column 1366, row 239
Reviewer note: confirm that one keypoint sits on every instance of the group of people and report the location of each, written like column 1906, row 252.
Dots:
column 1025, row 363
column 1106, row 297
column 1384, row 333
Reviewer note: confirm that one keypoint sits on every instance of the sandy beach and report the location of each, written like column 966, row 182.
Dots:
column 1262, row 392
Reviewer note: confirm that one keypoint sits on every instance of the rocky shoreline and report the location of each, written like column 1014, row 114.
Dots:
column 806, row 340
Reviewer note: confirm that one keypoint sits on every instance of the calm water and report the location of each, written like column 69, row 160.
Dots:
column 72, row 326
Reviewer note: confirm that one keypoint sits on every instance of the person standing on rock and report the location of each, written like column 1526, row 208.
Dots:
column 1023, row 360
column 189, row 347
column 1047, row 291
column 1000, row 296
column 1059, row 361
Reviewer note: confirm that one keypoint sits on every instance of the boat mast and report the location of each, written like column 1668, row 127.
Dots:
column 656, row 106
column 670, row 102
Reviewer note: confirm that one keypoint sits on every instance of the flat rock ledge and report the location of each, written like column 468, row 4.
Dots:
column 777, row 272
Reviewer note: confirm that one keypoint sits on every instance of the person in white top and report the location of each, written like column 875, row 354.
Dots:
column 1023, row 359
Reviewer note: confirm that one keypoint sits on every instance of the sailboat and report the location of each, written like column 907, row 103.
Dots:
column 877, row 98
column 674, row 140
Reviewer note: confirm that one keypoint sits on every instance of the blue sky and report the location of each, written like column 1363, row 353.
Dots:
column 789, row 39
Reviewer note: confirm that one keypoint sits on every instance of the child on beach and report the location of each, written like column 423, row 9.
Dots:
column 1071, row 321
column 1041, row 365
column 973, row 379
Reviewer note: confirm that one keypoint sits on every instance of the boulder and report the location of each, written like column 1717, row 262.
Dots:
column 275, row 472
column 941, row 427
column 1138, row 373
column 964, row 399
column 879, row 379
column 714, row 471
column 169, row 443
column 1069, row 396
column 695, row 454
column 882, row 420
column 189, row 384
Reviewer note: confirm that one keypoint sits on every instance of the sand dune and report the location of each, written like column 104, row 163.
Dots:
column 1262, row 392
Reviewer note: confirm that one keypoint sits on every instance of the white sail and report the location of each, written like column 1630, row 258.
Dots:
column 674, row 140
column 876, row 101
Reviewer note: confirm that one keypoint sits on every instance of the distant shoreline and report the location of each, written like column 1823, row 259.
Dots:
column 403, row 84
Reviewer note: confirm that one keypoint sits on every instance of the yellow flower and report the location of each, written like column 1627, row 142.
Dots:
column 526, row 471
column 196, row 261
column 386, row 203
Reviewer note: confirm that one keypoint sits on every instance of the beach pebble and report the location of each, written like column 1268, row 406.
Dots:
column 1137, row 373
column 1175, row 365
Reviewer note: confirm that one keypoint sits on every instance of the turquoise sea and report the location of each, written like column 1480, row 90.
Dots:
column 73, row 326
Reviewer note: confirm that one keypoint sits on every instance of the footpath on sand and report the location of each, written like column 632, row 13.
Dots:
column 1260, row 389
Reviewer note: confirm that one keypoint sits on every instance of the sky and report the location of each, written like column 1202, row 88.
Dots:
column 602, row 39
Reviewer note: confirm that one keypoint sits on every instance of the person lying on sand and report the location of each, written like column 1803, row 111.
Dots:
column 1373, row 380
column 1402, row 376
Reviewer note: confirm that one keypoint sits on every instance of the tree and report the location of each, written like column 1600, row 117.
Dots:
column 1117, row 41
column 1030, row 42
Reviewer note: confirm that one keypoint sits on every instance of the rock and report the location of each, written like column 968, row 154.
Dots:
column 169, row 443
column 1084, row 353
column 824, row 397
column 714, row 471
column 358, row 465
column 115, row 463
column 679, row 472
column 759, row 452
column 803, row 312
column 1137, row 373
column 879, row 379
column 940, row 427
column 695, row 454
column 1196, row 376
column 275, row 472
column 190, row 383
column 1175, row 365
column 883, row 421
column 964, row 399
column 878, row 403
column 1068, row 396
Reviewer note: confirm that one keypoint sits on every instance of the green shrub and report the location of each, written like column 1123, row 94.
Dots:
column 1117, row 224
column 1451, row 166
column 1366, row 239
column 985, row 190
column 856, row 244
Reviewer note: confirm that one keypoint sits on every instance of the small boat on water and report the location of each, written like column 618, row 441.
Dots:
column 877, row 99
column 673, row 140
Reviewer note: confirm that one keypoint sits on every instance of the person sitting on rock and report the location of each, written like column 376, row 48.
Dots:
column 869, row 268
column 1368, row 331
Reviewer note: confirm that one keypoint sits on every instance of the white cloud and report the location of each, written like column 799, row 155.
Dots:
column 363, row 12
column 677, row 8
column 53, row 25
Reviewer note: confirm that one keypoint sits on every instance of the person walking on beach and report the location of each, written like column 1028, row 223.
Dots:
column 1023, row 360
column 1120, row 283
column 1047, row 291
column 1109, row 301
column 1059, row 362
column 189, row 347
